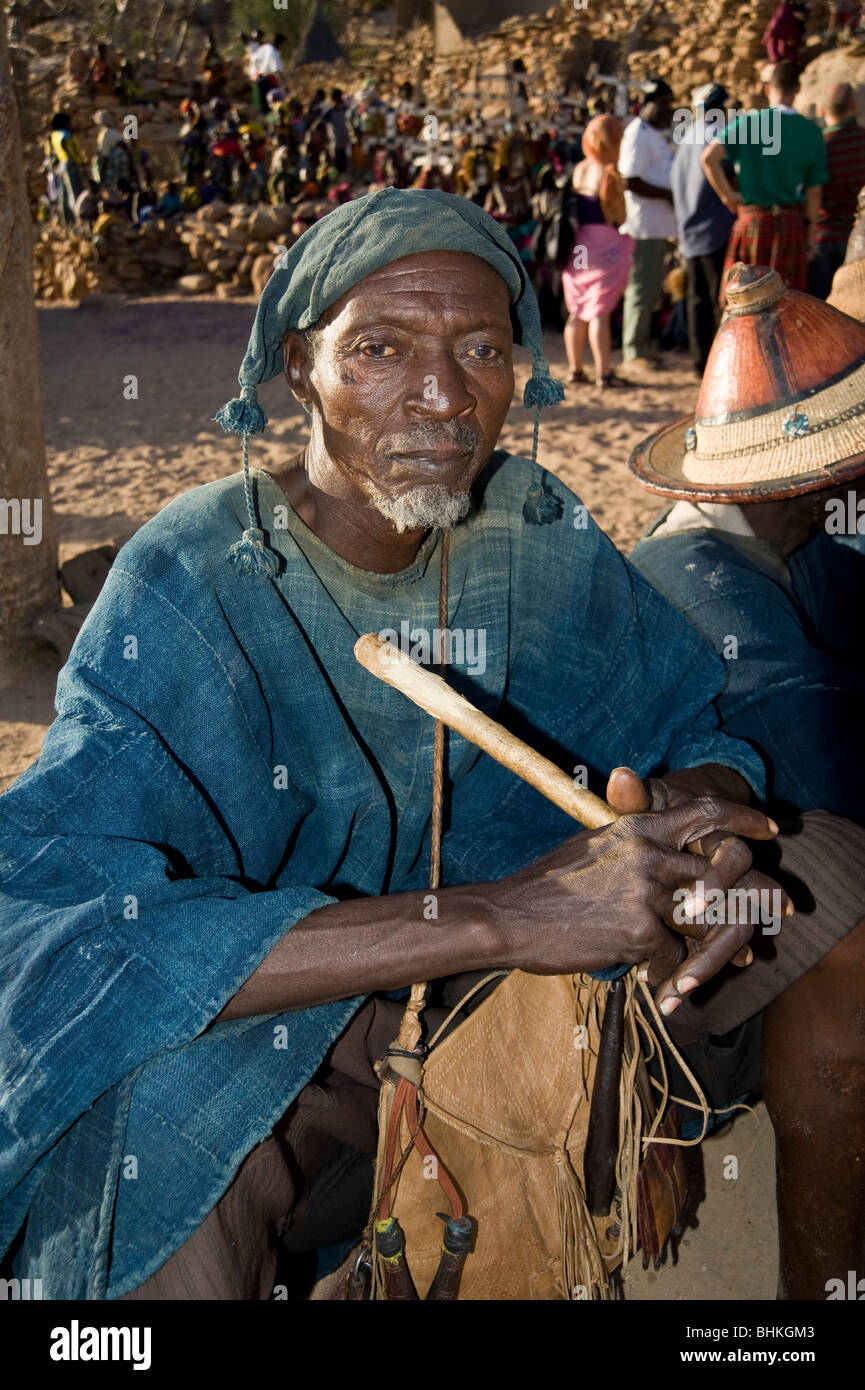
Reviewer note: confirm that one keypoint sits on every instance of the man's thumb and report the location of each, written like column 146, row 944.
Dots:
column 627, row 793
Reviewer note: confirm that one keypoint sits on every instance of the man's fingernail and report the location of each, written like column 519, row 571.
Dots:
column 694, row 907
column 789, row 910
column 668, row 1005
column 643, row 975
column 749, row 956
column 772, row 826
column 687, row 982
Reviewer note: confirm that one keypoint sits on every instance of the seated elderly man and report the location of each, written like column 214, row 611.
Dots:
column 217, row 866
column 763, row 553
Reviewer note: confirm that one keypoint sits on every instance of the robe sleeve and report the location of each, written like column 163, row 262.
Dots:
column 126, row 919
column 784, row 692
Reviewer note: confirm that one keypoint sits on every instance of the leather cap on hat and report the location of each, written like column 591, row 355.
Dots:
column 781, row 408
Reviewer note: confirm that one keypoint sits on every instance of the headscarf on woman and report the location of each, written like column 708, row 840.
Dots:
column 602, row 139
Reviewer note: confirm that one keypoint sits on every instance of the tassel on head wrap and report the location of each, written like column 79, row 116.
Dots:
column 252, row 555
column 541, row 506
column 335, row 253
column 541, row 389
column 244, row 416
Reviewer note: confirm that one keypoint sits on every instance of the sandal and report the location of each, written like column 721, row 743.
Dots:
column 574, row 378
column 609, row 380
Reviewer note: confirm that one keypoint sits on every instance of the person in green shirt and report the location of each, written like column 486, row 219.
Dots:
column 780, row 162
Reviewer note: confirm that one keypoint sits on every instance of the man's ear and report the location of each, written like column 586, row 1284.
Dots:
column 297, row 365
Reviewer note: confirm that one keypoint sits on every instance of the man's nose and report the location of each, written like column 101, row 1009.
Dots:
column 441, row 390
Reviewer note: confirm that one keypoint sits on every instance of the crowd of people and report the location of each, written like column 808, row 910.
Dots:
column 625, row 214
column 213, row 907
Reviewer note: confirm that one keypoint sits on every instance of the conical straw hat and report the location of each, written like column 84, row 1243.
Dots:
column 781, row 408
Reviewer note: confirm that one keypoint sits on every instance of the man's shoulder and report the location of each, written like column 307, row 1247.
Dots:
column 192, row 529
column 699, row 564
column 844, row 138
column 506, row 480
column 801, row 127
column 642, row 133
column 632, row 130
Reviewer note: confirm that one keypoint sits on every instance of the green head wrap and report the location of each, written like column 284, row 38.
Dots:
column 328, row 260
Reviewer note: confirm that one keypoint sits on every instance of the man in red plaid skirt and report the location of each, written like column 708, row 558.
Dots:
column 780, row 162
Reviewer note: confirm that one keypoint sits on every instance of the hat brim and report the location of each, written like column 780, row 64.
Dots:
column 658, row 464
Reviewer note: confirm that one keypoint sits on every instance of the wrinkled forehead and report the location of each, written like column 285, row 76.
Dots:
column 435, row 288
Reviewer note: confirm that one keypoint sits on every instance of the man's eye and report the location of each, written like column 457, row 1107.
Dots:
column 378, row 350
column 484, row 352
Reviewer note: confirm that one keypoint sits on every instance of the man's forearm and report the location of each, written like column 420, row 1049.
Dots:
column 599, row 898
column 369, row 944
column 648, row 190
column 712, row 161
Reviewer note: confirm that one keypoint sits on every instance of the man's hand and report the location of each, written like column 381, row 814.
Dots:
column 729, row 861
column 607, row 896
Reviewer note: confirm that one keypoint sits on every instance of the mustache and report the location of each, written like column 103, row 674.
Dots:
column 437, row 438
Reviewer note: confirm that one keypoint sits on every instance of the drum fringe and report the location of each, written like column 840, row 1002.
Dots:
column 584, row 1265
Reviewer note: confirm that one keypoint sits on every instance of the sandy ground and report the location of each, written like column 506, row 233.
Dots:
column 114, row 462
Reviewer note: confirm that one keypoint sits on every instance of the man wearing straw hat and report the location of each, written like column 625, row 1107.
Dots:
column 223, row 848
column 767, row 478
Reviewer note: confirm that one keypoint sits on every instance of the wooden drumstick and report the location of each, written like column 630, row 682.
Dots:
column 391, row 665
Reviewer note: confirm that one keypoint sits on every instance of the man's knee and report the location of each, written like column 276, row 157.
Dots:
column 816, row 1057
column 232, row 1254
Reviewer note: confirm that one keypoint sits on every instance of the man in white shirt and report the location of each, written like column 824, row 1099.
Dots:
column 266, row 65
column 251, row 44
column 644, row 164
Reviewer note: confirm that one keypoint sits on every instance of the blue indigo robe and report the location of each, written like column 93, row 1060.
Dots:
column 795, row 686
column 219, row 768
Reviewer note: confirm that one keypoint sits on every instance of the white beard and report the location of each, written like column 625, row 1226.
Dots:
column 423, row 508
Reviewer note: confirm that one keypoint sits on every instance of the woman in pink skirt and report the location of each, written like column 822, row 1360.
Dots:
column 598, row 267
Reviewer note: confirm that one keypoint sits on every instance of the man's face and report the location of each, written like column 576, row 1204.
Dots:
column 659, row 112
column 411, row 379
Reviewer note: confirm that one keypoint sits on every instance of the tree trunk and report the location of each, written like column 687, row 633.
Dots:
column 28, row 533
